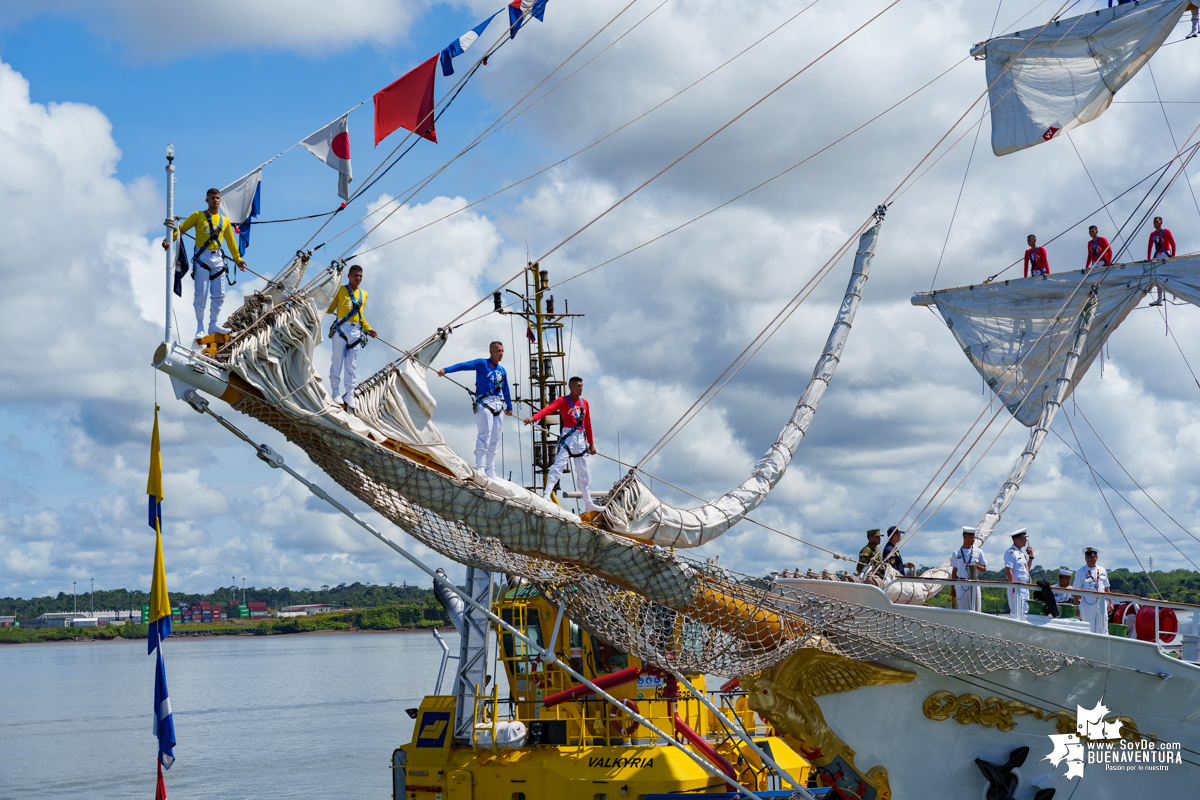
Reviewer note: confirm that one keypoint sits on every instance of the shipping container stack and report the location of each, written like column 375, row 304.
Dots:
column 258, row 609
column 236, row 611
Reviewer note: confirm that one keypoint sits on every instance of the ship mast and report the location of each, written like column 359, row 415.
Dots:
column 546, row 378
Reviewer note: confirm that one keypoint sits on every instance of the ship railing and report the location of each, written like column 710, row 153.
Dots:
column 590, row 721
column 1185, row 639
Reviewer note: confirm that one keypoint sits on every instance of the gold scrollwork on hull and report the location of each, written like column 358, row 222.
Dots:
column 784, row 696
column 993, row 712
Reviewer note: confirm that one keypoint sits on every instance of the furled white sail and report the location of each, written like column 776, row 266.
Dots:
column 633, row 510
column 1017, row 333
column 915, row 594
column 1043, row 81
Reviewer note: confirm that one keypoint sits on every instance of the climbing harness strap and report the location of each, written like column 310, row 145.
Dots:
column 214, row 235
column 564, row 435
column 335, row 329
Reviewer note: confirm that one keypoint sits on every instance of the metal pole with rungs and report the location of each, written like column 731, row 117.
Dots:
column 275, row 460
column 169, row 222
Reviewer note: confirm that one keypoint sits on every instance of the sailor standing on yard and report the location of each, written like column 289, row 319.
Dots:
column 208, row 260
column 491, row 399
column 965, row 565
column 1161, row 245
column 1016, row 570
column 1093, row 578
column 1036, row 262
column 574, row 442
column 1099, row 253
column 346, row 334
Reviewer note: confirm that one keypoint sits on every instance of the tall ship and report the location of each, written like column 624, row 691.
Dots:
column 609, row 629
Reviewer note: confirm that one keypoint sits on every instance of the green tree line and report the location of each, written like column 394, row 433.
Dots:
column 355, row 595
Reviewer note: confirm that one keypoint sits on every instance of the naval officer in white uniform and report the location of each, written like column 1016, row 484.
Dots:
column 1094, row 578
column 1016, row 570
column 961, row 563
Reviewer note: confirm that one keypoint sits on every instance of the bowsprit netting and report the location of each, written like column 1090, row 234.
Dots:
column 671, row 611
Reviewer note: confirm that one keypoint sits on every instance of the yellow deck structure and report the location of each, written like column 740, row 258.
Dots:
column 583, row 748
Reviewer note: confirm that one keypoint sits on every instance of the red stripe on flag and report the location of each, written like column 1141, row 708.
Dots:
column 160, row 793
column 407, row 103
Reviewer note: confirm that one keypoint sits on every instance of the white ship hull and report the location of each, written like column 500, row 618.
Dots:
column 932, row 759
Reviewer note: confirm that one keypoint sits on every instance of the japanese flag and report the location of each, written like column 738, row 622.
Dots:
column 331, row 144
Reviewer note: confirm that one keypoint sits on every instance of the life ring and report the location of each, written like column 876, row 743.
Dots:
column 1126, row 614
column 618, row 728
column 1168, row 624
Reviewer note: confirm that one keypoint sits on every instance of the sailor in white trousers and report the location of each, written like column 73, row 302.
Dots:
column 213, row 231
column 965, row 564
column 346, row 335
column 492, row 400
column 1016, row 569
column 575, row 441
column 1093, row 578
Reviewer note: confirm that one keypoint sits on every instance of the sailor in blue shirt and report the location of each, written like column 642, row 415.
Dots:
column 491, row 399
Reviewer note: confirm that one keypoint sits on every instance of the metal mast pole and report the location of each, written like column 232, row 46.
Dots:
column 169, row 222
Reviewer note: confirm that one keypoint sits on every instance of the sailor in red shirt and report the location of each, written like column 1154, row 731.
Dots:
column 1035, row 259
column 575, row 440
column 1099, row 252
column 1161, row 245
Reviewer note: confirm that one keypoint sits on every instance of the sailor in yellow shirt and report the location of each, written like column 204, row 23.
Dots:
column 208, row 261
column 347, row 336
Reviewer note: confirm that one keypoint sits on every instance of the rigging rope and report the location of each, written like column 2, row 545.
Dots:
column 1092, row 180
column 1109, row 507
column 490, row 127
column 691, row 150
column 1127, row 500
column 1135, row 483
column 1171, row 131
column 649, row 111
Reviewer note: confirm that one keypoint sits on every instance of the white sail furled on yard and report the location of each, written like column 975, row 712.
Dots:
column 1017, row 333
column 1043, row 81
column 633, row 510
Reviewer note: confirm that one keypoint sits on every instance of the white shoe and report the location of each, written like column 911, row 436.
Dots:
column 200, row 334
column 213, row 327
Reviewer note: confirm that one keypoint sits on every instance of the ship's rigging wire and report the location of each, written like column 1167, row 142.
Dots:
column 731, row 200
column 1000, row 409
column 696, row 407
column 1158, row 200
column 649, row 111
column 962, row 186
column 1131, row 478
column 1128, row 502
column 1171, row 131
column 1092, row 180
column 680, row 158
column 504, row 38
column 1187, row 363
column 490, row 127
column 763, row 525
column 1108, row 505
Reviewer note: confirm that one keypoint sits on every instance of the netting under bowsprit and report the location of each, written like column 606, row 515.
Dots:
column 647, row 601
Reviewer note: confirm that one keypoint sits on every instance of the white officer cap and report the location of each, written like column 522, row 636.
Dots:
column 1021, row 532
column 1064, row 572
column 1088, row 550
column 968, row 529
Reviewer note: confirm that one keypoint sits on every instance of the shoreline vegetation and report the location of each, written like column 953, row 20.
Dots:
column 406, row 618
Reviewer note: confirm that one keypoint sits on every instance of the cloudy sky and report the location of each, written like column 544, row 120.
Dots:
column 89, row 98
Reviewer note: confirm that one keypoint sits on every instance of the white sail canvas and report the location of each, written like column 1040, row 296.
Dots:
column 1044, row 81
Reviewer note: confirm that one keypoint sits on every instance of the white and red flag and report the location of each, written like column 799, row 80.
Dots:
column 331, row 144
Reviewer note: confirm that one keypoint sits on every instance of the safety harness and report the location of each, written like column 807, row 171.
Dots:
column 335, row 329
column 564, row 435
column 214, row 235
column 1159, row 250
column 1036, row 267
column 477, row 399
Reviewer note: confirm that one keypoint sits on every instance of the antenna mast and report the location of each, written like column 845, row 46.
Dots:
column 169, row 222
column 547, row 379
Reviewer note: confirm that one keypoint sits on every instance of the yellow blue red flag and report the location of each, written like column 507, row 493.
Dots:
column 160, row 616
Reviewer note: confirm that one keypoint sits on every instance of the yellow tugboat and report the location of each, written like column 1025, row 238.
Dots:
column 553, row 738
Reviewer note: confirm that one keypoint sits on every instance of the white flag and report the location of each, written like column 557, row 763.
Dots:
column 237, row 199
column 331, row 144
